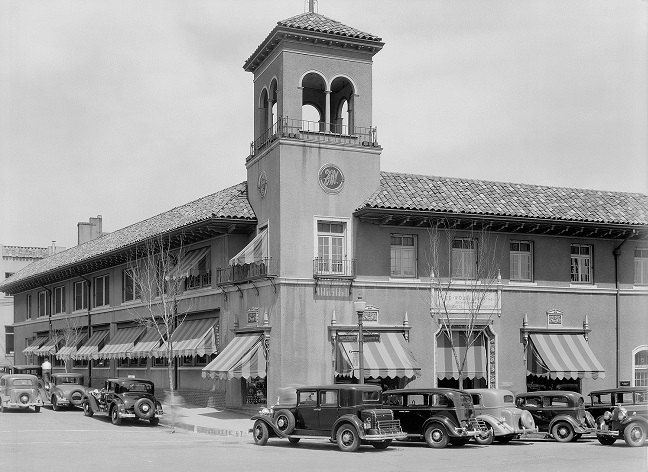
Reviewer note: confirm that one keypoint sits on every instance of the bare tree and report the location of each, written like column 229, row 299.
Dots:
column 464, row 279
column 72, row 334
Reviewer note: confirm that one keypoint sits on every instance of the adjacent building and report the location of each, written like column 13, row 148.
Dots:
column 530, row 286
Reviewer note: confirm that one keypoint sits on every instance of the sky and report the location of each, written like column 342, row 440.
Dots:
column 127, row 109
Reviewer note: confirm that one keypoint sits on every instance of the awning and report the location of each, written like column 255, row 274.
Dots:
column 192, row 338
column 475, row 355
column 144, row 347
column 48, row 348
column 91, row 347
column 69, row 350
column 187, row 264
column 391, row 357
column 563, row 356
column 243, row 357
column 255, row 251
column 119, row 346
column 35, row 344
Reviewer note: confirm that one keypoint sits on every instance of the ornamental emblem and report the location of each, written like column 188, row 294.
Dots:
column 331, row 178
column 262, row 184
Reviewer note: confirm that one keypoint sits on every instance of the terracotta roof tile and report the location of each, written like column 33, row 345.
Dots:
column 320, row 23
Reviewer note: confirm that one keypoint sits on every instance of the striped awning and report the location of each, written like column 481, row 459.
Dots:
column 390, row 357
column 145, row 346
column 472, row 355
column 244, row 357
column 256, row 250
column 35, row 344
column 120, row 344
column 48, row 348
column 192, row 338
column 187, row 264
column 91, row 346
column 70, row 349
column 563, row 356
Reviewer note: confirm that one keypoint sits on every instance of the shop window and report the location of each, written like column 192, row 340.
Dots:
column 135, row 362
column 255, row 390
column 59, row 299
column 130, row 290
column 101, row 363
column 464, row 258
column 29, row 307
column 101, row 290
column 43, row 303
column 80, row 295
column 160, row 362
column 581, row 263
column 641, row 266
column 403, row 255
column 80, row 362
column 195, row 361
column 331, row 248
column 521, row 261
column 641, row 368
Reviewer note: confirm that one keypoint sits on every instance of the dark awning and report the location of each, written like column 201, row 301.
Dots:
column 123, row 341
column 244, row 357
column 563, row 356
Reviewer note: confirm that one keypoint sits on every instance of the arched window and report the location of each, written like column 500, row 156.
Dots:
column 640, row 367
column 313, row 102
column 263, row 111
column 342, row 95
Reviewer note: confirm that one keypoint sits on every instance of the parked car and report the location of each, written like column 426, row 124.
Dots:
column 64, row 389
column 606, row 400
column 629, row 422
column 124, row 398
column 438, row 415
column 496, row 407
column 349, row 414
column 560, row 414
column 19, row 391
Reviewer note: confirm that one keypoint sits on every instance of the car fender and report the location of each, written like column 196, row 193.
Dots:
column 445, row 421
column 272, row 428
column 92, row 401
column 499, row 427
column 635, row 419
column 353, row 419
column 569, row 419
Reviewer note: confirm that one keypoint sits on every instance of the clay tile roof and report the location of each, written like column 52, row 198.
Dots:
column 22, row 252
column 321, row 24
column 452, row 195
column 231, row 203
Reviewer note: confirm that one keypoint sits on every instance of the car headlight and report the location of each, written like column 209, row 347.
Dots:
column 266, row 412
column 367, row 423
column 623, row 413
column 607, row 415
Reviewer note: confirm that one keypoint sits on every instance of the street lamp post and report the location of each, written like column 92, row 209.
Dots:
column 359, row 305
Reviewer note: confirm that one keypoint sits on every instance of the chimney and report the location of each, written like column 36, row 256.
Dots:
column 90, row 230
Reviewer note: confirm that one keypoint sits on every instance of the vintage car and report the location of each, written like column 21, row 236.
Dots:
column 496, row 407
column 64, row 389
column 349, row 414
column 629, row 422
column 438, row 415
column 560, row 414
column 606, row 400
column 124, row 398
column 19, row 391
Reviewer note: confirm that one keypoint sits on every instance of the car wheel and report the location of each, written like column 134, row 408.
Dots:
column 154, row 421
column 285, row 421
column 436, row 436
column 487, row 438
column 114, row 416
column 87, row 409
column 606, row 440
column 37, row 409
column 293, row 440
column 347, row 438
column 55, row 407
column 562, row 432
column 260, row 433
column 577, row 436
column 634, row 434
column 382, row 444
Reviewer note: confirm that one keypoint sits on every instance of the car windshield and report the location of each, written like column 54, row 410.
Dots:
column 371, row 397
column 508, row 398
column 138, row 387
column 22, row 382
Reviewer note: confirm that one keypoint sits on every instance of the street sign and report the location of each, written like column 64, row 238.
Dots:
column 353, row 338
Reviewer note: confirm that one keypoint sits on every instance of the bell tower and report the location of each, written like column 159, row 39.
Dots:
column 315, row 153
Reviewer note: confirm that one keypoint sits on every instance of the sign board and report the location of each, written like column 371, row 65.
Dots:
column 624, row 383
column 353, row 338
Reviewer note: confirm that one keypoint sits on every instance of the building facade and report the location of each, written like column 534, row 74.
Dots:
column 451, row 281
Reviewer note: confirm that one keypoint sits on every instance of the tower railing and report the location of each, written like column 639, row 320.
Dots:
column 317, row 131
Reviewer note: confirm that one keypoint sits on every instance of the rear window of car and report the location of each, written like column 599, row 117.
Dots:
column 371, row 397
column 22, row 382
column 138, row 387
column 508, row 398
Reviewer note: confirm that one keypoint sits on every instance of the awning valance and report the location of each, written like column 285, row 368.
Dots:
column 243, row 357
column 35, row 344
column 49, row 347
column 187, row 265
column 192, row 338
column 390, row 357
column 563, row 356
column 255, row 251
column 474, row 366
column 120, row 344
column 91, row 346
column 145, row 346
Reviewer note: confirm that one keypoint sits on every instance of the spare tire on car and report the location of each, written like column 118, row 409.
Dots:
column 285, row 421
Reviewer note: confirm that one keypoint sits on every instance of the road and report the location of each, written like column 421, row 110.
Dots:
column 69, row 441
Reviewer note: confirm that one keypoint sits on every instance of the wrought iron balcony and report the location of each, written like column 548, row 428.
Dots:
column 240, row 273
column 334, row 268
column 304, row 130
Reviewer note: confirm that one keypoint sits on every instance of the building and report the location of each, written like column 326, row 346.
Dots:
column 531, row 286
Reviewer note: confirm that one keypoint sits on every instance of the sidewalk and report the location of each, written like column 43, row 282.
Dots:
column 197, row 419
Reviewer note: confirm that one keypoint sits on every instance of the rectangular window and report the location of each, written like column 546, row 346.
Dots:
column 331, row 248
column 59, row 299
column 641, row 266
column 522, row 261
column 130, row 290
column 9, row 340
column 464, row 258
column 160, row 361
column 403, row 255
column 101, row 363
column 80, row 295
column 581, row 263
column 44, row 308
column 29, row 307
column 101, row 290
column 80, row 362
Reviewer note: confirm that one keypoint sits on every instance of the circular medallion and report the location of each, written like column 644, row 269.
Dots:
column 331, row 178
column 262, row 184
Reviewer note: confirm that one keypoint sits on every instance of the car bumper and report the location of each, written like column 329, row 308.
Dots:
column 605, row 430
column 10, row 404
column 385, row 436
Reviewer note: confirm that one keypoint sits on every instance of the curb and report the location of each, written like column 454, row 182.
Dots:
column 192, row 428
